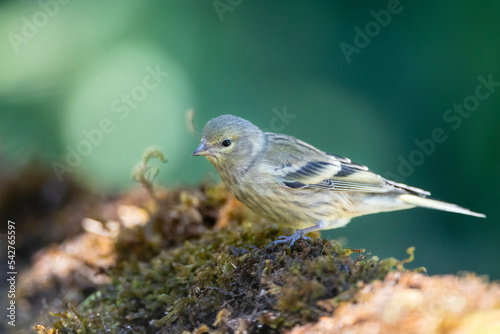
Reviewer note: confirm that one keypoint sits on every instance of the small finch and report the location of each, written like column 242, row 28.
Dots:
column 290, row 182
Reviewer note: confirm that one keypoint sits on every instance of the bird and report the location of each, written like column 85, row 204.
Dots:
column 290, row 182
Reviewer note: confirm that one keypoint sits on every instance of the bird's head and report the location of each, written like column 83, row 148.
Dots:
column 230, row 142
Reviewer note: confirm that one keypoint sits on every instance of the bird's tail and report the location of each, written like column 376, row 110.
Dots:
column 437, row 205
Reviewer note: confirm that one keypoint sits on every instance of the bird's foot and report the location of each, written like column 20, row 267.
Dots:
column 291, row 239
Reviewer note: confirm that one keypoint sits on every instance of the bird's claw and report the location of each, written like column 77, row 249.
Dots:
column 283, row 239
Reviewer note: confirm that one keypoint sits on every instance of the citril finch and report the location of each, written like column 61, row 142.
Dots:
column 290, row 182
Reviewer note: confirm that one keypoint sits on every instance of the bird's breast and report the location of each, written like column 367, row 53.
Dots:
column 271, row 200
column 297, row 208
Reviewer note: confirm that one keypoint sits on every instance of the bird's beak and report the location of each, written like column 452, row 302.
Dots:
column 203, row 149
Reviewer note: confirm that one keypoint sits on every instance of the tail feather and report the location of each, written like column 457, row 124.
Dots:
column 437, row 205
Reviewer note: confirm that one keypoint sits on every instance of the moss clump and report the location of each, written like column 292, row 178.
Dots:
column 225, row 280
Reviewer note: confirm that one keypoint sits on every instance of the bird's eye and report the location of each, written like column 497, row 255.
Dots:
column 226, row 143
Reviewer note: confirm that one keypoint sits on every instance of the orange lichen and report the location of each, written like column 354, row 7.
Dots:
column 415, row 303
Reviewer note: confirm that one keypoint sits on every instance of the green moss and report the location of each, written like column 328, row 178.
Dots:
column 225, row 279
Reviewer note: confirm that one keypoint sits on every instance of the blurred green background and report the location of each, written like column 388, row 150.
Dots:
column 86, row 86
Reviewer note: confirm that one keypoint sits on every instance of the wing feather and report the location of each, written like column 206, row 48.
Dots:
column 302, row 166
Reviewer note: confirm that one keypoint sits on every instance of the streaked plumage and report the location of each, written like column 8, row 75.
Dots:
column 291, row 182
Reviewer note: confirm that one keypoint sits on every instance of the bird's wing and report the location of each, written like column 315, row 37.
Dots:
column 292, row 160
column 301, row 166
